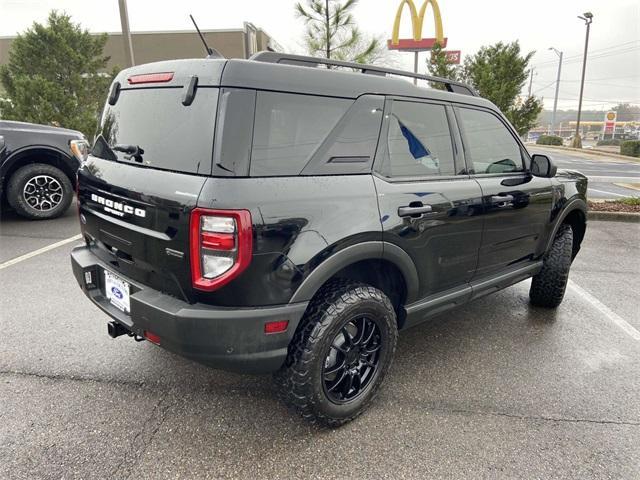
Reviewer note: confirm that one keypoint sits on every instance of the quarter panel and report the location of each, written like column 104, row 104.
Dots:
column 298, row 223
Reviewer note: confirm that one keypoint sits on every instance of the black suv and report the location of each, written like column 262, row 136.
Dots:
column 263, row 216
column 38, row 165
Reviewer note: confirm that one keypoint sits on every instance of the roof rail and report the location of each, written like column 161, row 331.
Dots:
column 304, row 61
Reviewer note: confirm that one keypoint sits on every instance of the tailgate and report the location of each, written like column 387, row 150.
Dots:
column 138, row 220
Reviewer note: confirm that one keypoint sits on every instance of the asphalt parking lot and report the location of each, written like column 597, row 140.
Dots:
column 610, row 177
column 496, row 389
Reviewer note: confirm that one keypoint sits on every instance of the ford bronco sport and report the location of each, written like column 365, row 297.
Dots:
column 264, row 216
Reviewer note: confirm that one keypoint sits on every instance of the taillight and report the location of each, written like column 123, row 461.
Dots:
column 221, row 246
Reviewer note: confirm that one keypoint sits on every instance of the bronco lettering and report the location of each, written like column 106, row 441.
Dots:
column 117, row 207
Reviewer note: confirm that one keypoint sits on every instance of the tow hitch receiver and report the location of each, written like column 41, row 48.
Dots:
column 116, row 329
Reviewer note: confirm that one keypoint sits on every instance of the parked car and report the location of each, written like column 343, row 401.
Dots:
column 264, row 216
column 38, row 165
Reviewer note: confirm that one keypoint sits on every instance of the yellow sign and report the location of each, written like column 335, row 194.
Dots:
column 611, row 116
column 417, row 20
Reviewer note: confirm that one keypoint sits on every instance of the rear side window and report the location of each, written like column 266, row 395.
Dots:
column 169, row 135
column 488, row 145
column 288, row 128
column 419, row 141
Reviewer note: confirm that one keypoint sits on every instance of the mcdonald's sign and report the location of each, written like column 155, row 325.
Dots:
column 417, row 43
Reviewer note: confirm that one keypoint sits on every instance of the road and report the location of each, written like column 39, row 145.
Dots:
column 606, row 173
column 495, row 389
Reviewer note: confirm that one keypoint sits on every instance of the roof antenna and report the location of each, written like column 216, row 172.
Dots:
column 211, row 52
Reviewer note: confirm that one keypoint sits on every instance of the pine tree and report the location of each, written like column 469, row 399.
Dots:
column 332, row 32
column 439, row 66
column 55, row 76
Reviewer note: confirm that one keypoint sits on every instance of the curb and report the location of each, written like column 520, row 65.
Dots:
column 614, row 216
column 589, row 151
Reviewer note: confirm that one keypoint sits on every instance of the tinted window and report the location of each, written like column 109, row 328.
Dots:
column 288, row 128
column 169, row 135
column 488, row 144
column 419, row 141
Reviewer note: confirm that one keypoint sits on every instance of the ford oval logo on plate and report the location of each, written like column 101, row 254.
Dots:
column 117, row 291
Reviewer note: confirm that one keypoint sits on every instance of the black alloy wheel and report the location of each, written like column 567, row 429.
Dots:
column 352, row 360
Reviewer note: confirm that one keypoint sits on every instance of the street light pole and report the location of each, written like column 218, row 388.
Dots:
column 588, row 18
column 126, row 33
column 531, row 80
column 555, row 100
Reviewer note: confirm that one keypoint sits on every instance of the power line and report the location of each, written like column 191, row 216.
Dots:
column 543, row 88
column 596, row 51
column 597, row 56
column 599, row 100
column 607, row 84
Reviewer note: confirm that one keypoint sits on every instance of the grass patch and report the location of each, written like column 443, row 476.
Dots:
column 630, row 201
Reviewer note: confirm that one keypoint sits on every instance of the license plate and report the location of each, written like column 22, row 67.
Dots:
column 117, row 291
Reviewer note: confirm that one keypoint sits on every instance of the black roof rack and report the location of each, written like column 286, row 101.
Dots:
column 304, row 61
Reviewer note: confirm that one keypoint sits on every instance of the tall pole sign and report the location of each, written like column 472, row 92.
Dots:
column 610, row 124
column 418, row 44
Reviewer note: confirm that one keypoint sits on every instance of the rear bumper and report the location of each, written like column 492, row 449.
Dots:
column 226, row 338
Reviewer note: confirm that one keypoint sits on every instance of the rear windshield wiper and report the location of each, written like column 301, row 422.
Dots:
column 132, row 151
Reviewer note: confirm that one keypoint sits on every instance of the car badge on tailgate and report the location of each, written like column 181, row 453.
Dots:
column 118, row 208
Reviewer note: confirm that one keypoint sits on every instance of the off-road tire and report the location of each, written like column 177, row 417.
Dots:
column 548, row 286
column 20, row 178
column 300, row 380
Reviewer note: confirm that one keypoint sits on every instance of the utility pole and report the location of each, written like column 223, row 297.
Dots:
column 415, row 66
column 126, row 33
column 531, row 80
column 326, row 14
column 588, row 18
column 555, row 100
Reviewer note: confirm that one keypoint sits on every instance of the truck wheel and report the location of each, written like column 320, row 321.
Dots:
column 548, row 286
column 38, row 191
column 340, row 354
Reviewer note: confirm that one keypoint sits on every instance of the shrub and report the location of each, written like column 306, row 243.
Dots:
column 610, row 141
column 549, row 140
column 630, row 148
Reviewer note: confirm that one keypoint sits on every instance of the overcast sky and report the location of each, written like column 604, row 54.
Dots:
column 613, row 67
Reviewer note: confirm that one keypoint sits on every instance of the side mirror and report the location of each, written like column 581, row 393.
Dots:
column 1, row 143
column 542, row 166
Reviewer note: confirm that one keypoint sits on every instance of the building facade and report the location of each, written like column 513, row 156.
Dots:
column 166, row 45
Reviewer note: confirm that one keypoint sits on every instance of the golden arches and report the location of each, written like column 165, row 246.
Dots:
column 417, row 20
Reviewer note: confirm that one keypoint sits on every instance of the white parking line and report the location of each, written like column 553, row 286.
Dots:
column 29, row 255
column 611, row 179
column 608, row 193
column 612, row 316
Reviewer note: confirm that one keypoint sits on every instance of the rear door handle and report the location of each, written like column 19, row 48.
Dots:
column 501, row 198
column 409, row 211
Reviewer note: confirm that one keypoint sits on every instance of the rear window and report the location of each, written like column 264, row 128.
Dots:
column 288, row 128
column 167, row 134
